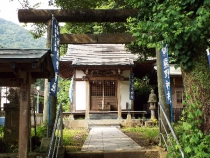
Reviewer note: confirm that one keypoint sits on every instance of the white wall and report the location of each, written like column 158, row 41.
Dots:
column 124, row 89
column 79, row 74
column 126, row 73
column 80, row 95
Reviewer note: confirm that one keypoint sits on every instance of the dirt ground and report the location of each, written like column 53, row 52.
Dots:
column 142, row 140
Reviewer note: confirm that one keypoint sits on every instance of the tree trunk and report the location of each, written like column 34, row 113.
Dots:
column 197, row 80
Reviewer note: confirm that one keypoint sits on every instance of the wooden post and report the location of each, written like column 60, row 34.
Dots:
column 132, row 108
column 87, row 116
column 119, row 100
column 46, row 82
column 24, row 120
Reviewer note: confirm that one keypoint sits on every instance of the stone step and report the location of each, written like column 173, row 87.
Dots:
column 104, row 125
column 102, row 116
column 61, row 153
column 153, row 153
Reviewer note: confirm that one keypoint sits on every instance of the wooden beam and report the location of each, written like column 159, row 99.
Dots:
column 15, row 82
column 42, row 75
column 110, row 38
column 78, row 15
column 9, row 82
column 20, row 75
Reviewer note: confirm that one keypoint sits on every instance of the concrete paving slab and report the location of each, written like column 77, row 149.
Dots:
column 108, row 139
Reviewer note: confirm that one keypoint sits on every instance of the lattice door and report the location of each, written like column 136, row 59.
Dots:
column 103, row 90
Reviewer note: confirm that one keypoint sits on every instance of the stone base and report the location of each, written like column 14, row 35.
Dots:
column 104, row 122
column 102, row 116
column 71, row 117
column 149, row 123
column 128, row 117
column 129, row 122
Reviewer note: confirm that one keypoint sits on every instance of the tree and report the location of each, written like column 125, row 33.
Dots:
column 184, row 27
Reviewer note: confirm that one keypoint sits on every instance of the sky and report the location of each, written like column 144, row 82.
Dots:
column 9, row 9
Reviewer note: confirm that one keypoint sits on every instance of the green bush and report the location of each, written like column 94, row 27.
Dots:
column 1, row 131
column 41, row 131
column 193, row 141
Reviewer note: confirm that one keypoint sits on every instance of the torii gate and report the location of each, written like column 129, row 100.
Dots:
column 80, row 15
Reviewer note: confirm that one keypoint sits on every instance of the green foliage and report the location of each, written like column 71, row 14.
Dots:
column 91, row 4
column 39, row 29
column 63, row 93
column 39, row 82
column 1, row 131
column 142, row 87
column 192, row 140
column 15, row 36
column 4, row 146
column 143, row 84
column 184, row 26
column 41, row 131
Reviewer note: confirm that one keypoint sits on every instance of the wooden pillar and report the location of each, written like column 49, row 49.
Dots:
column 119, row 99
column 132, row 101
column 87, row 117
column 46, row 98
column 24, row 120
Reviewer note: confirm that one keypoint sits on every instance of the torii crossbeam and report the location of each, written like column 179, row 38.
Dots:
column 77, row 15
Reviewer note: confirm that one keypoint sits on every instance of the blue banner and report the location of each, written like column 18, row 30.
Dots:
column 166, row 73
column 132, row 92
column 55, row 48
column 166, row 78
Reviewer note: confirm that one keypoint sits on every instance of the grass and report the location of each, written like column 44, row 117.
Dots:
column 73, row 139
column 149, row 133
column 144, row 136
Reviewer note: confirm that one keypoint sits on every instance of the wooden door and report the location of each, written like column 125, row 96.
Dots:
column 103, row 91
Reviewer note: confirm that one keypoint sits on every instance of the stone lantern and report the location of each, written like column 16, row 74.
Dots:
column 152, row 101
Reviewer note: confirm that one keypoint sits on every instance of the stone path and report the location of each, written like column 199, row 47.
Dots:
column 108, row 139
